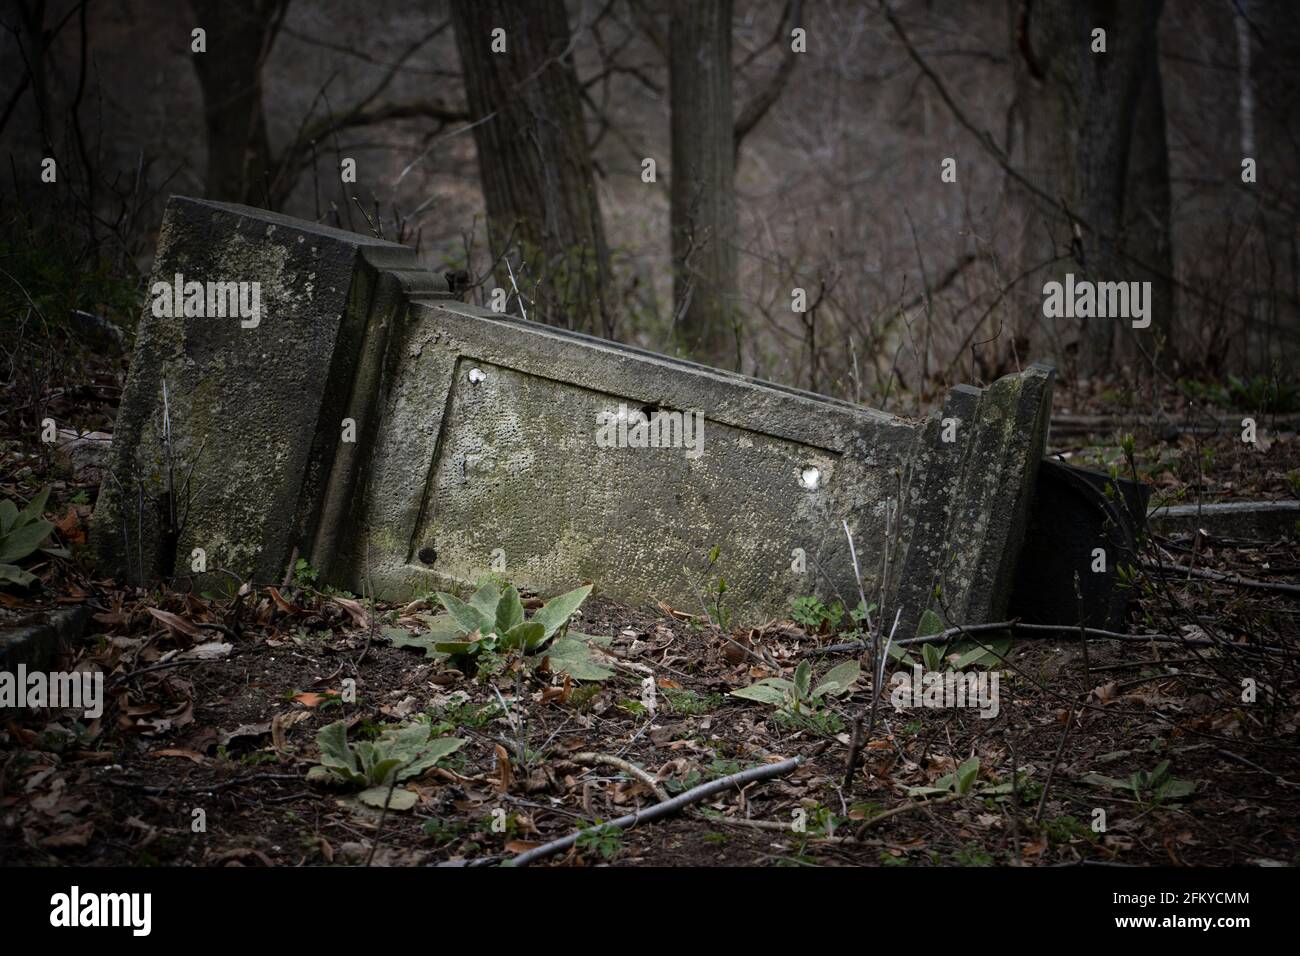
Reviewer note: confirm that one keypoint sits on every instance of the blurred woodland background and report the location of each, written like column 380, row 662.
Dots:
column 796, row 144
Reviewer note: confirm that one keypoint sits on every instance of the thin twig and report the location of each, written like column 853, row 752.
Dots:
column 627, row 767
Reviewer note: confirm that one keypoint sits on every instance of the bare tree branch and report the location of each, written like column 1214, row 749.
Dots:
column 754, row 111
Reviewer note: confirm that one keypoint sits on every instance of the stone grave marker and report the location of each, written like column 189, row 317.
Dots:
column 402, row 441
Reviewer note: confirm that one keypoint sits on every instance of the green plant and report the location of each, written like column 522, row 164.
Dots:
column 956, row 655
column 493, row 622
column 22, row 533
column 960, row 781
column 442, row 831
column 799, row 695
column 689, row 703
column 400, row 752
column 453, row 716
column 972, row 855
column 712, row 591
column 812, row 615
column 1154, row 786
column 304, row 575
column 821, row 722
column 605, row 841
column 1067, row 829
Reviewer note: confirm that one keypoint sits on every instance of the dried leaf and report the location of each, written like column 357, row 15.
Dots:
column 177, row 623
column 356, row 610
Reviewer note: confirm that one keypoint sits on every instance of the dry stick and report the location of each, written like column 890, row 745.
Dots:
column 627, row 767
column 1280, row 587
column 174, row 662
column 388, row 799
column 855, row 742
column 1062, row 629
column 906, row 808
column 1051, row 771
column 694, row 795
column 288, row 572
column 1281, row 781
column 206, row 788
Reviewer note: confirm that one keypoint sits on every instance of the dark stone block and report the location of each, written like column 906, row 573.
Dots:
column 1074, row 513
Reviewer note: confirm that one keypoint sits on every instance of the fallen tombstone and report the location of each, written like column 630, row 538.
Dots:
column 1249, row 521
column 326, row 398
column 1085, row 530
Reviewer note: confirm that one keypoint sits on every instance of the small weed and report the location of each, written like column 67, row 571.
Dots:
column 606, row 842
column 972, row 855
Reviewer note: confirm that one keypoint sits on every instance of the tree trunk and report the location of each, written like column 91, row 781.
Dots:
column 239, row 38
column 703, row 172
column 1270, row 58
column 1077, row 111
column 534, row 159
column 1147, row 236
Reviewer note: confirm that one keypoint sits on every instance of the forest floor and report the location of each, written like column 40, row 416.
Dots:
column 1157, row 739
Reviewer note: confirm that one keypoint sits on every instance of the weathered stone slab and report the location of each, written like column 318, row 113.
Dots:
column 485, row 443
column 1230, row 520
column 253, row 404
column 1076, row 511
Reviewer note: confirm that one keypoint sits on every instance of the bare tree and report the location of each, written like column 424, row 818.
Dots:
column 239, row 37
column 1269, row 117
column 1147, row 239
column 1075, row 110
column 703, row 172
column 533, row 157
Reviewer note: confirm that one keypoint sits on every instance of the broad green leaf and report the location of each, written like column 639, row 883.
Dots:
column 771, row 690
column 1100, row 780
column 571, row 656
column 1176, row 789
column 381, row 772
column 441, row 628
column 324, row 775
column 332, row 739
column 401, row 799
column 15, row 575
column 434, row 751
column 928, row 791
column 930, row 623
column 486, row 599
column 838, row 679
column 802, row 679
column 523, row 636
column 8, row 515
column 456, row 648
column 468, row 617
column 35, row 508
column 932, row 656
column 509, row 610
column 967, row 773
column 23, row 539
column 968, row 653
column 557, row 610
column 403, row 741
column 366, row 755
column 900, row 654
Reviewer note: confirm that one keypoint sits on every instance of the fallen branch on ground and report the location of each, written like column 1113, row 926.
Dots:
column 694, row 795
column 627, row 767
column 1281, row 587
column 1064, row 630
